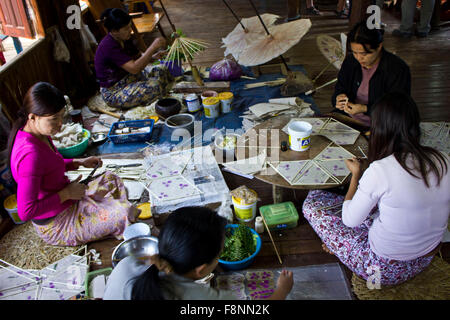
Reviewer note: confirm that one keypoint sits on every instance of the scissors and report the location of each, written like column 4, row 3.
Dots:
column 89, row 177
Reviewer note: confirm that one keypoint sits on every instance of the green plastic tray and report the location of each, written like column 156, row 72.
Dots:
column 280, row 215
column 91, row 275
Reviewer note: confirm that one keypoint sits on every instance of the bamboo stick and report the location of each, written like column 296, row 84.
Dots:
column 271, row 239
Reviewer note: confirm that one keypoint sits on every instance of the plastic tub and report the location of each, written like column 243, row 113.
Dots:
column 211, row 107
column 10, row 205
column 242, row 264
column 209, row 94
column 244, row 211
column 280, row 215
column 228, row 150
column 226, row 99
column 91, row 275
column 192, row 102
column 299, row 135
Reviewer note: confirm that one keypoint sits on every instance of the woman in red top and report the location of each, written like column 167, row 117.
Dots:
column 63, row 212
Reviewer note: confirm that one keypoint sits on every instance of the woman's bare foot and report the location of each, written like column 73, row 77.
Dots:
column 325, row 248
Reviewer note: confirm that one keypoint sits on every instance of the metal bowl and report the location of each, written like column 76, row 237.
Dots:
column 99, row 138
column 181, row 121
column 140, row 246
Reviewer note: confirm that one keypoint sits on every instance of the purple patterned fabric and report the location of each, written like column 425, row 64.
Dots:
column 351, row 245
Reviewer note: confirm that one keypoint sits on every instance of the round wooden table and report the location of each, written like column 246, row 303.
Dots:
column 269, row 135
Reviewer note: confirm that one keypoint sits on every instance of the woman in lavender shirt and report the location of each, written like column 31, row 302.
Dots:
column 396, row 211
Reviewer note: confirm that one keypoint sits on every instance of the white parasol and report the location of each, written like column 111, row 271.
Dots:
column 282, row 37
column 246, row 32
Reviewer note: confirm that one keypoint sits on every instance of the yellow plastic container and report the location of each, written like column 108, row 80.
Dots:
column 244, row 211
column 226, row 99
column 10, row 205
column 211, row 107
column 146, row 210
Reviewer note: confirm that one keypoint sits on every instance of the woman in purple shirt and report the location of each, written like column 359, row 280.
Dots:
column 64, row 213
column 390, row 223
column 125, row 78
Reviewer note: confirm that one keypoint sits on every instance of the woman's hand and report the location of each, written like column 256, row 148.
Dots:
column 356, row 166
column 341, row 101
column 73, row 191
column 354, row 108
column 91, row 162
column 159, row 55
column 158, row 43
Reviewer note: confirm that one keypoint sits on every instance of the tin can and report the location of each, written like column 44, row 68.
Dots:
column 226, row 99
column 211, row 107
column 193, row 103
column 76, row 116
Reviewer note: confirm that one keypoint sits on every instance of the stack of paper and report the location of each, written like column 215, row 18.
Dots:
column 274, row 107
column 247, row 167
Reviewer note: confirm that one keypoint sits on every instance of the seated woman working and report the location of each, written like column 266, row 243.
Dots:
column 367, row 74
column 125, row 78
column 395, row 212
column 64, row 213
column 189, row 246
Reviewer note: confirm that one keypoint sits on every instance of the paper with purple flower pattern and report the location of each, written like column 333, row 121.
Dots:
column 313, row 175
column 171, row 188
column 289, row 169
column 334, row 153
column 337, row 168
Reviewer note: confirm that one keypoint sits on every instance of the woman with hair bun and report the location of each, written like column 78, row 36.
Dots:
column 63, row 213
column 368, row 72
column 125, row 77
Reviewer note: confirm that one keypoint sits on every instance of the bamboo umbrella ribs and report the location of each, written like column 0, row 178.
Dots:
column 246, row 31
column 184, row 48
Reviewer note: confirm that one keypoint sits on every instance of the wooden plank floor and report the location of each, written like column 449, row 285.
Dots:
column 428, row 58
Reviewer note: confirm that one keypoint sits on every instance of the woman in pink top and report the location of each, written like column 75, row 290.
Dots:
column 63, row 212
column 396, row 211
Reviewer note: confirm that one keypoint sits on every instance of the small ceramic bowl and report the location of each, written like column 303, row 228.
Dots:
column 135, row 230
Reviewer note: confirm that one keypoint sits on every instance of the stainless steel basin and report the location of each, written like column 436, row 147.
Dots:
column 138, row 247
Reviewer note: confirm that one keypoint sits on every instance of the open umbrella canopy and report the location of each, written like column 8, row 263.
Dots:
column 331, row 49
column 239, row 39
column 267, row 47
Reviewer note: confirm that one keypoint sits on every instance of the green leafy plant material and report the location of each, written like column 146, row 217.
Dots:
column 239, row 244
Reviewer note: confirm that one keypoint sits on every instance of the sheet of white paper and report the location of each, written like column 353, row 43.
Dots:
column 261, row 109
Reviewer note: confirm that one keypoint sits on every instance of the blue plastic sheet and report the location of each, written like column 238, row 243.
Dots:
column 243, row 99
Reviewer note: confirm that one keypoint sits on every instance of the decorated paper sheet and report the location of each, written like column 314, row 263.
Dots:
column 234, row 283
column 332, row 129
column 171, row 188
column 289, row 170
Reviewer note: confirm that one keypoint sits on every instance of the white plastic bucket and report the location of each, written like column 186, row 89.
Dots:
column 244, row 212
column 299, row 135
column 10, row 205
column 193, row 104
column 226, row 99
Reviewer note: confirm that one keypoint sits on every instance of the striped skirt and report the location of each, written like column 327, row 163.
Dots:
column 351, row 245
column 102, row 213
column 138, row 89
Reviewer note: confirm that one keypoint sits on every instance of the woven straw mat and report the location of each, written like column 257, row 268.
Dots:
column 23, row 248
column 431, row 284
